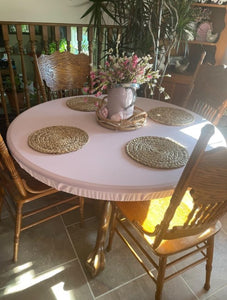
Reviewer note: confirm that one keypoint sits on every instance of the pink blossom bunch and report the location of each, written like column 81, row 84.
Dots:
column 118, row 70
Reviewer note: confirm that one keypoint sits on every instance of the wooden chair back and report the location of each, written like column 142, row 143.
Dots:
column 61, row 72
column 8, row 171
column 205, row 175
column 209, row 95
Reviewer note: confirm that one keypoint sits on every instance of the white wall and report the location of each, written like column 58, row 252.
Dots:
column 44, row 11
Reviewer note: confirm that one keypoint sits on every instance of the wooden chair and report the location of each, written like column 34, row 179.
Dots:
column 209, row 95
column 188, row 220
column 62, row 74
column 180, row 85
column 18, row 188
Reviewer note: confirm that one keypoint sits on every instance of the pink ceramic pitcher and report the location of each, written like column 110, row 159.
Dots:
column 121, row 100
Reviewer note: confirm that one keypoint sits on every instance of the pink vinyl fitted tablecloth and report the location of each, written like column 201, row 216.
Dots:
column 101, row 169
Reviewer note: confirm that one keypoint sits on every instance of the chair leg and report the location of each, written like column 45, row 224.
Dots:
column 17, row 231
column 210, row 252
column 81, row 211
column 160, row 277
column 112, row 227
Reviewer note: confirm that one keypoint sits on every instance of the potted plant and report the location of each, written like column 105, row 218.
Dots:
column 154, row 27
column 19, row 91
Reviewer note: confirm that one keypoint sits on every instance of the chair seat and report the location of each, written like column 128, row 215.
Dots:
column 168, row 247
column 148, row 214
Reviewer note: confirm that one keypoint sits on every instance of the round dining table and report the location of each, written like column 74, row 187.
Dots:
column 101, row 169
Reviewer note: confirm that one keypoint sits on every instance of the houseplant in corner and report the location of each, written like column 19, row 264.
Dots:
column 155, row 27
column 147, row 26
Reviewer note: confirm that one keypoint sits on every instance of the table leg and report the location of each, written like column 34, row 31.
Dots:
column 96, row 259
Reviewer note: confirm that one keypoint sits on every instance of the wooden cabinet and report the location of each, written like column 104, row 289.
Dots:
column 216, row 52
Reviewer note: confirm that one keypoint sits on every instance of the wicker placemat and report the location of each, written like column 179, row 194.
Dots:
column 170, row 116
column 83, row 103
column 157, row 152
column 58, row 139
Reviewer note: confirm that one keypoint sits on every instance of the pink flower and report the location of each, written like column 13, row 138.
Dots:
column 124, row 69
column 135, row 61
column 85, row 89
column 92, row 75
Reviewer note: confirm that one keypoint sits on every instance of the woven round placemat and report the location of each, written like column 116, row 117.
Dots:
column 157, row 152
column 58, row 139
column 170, row 116
column 83, row 103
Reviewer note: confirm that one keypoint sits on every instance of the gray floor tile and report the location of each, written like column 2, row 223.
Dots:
column 121, row 266
column 224, row 223
column 219, row 295
column 196, row 276
column 62, row 282
column 48, row 261
column 143, row 288
column 90, row 211
column 44, row 246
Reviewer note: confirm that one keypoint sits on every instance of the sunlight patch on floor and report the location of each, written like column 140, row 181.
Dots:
column 28, row 279
column 60, row 293
column 22, row 267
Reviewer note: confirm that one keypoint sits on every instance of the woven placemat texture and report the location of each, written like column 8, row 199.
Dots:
column 170, row 116
column 157, row 152
column 58, row 139
column 83, row 103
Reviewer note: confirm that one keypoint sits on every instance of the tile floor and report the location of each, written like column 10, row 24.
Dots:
column 51, row 265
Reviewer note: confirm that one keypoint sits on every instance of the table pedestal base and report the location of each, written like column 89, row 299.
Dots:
column 95, row 262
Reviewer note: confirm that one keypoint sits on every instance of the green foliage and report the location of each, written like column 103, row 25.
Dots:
column 62, row 46
column 97, row 11
column 8, row 84
column 148, row 26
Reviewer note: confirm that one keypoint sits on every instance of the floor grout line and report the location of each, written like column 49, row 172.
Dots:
column 188, row 286
column 89, row 284
column 217, row 291
column 71, row 242
column 121, row 285
column 77, row 223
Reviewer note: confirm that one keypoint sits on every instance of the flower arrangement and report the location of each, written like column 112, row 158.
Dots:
column 125, row 69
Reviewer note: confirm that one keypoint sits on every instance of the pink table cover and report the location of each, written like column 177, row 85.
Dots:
column 101, row 169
